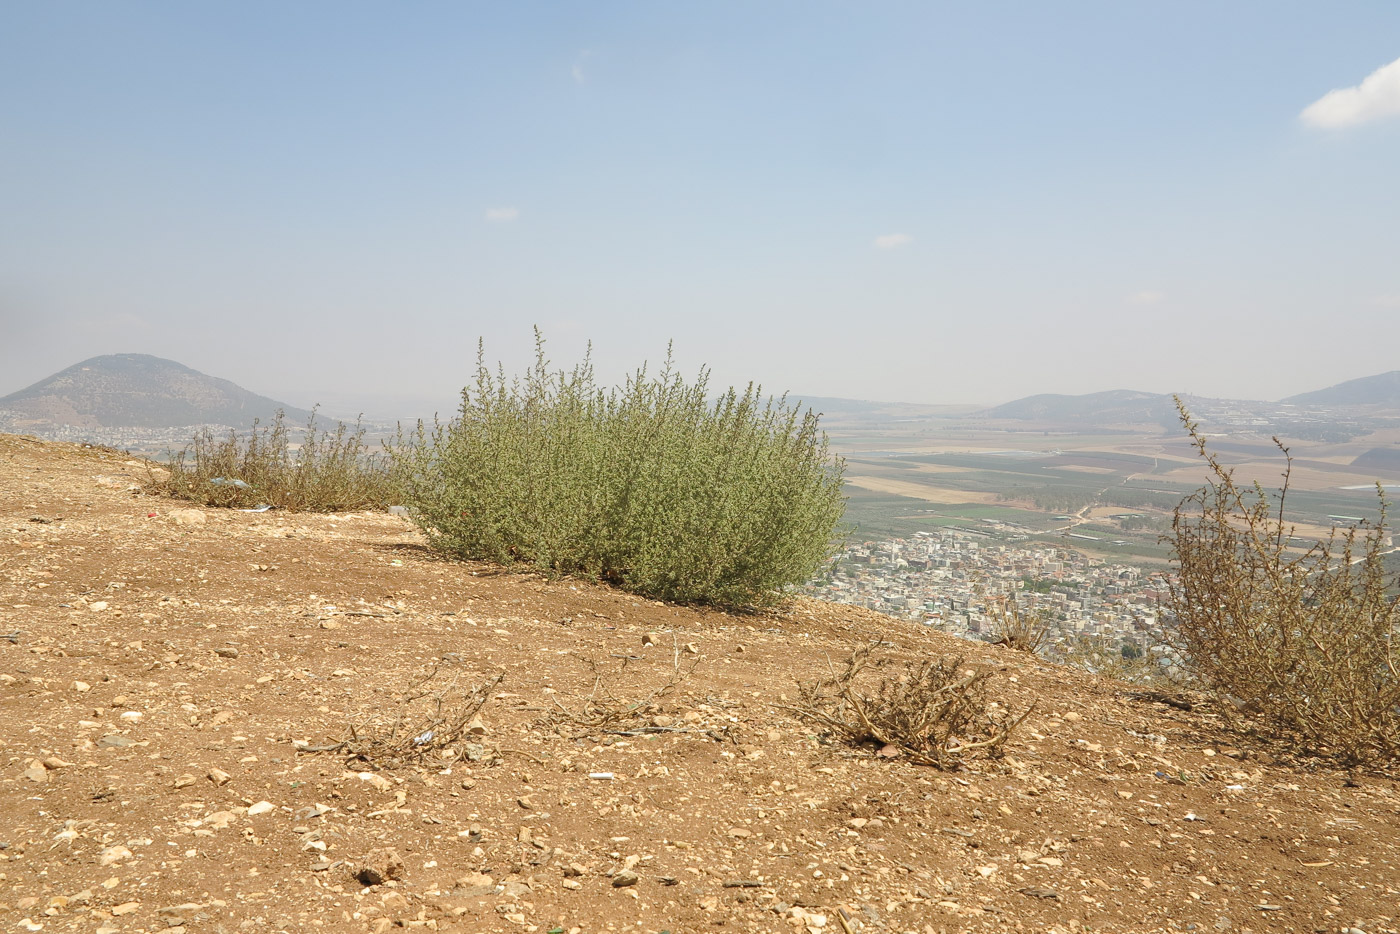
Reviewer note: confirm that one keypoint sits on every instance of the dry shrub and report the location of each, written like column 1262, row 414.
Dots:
column 1104, row 658
column 1300, row 640
column 602, row 708
column 429, row 722
column 1015, row 628
column 308, row 471
column 935, row 713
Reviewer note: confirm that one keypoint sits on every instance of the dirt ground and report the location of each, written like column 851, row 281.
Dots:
column 170, row 681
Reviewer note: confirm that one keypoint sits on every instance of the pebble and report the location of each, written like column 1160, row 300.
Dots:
column 226, row 651
column 624, row 878
column 262, row 807
column 219, row 776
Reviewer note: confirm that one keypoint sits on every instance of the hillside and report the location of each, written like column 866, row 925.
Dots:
column 139, row 391
column 1119, row 406
column 177, row 688
column 1382, row 389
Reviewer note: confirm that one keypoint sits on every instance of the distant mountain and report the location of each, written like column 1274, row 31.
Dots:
column 139, row 391
column 1123, row 406
column 1383, row 389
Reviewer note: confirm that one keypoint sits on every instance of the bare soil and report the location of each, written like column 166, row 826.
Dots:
column 168, row 688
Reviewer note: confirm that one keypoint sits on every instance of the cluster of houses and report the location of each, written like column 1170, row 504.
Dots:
column 956, row 582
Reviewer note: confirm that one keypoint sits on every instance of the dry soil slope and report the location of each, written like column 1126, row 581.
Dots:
column 175, row 796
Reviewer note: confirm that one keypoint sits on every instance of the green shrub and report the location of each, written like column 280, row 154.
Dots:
column 329, row 471
column 652, row 486
column 1299, row 639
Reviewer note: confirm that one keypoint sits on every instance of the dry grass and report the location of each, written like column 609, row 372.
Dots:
column 933, row 713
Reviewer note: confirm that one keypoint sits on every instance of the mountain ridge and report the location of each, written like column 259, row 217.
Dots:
column 140, row 391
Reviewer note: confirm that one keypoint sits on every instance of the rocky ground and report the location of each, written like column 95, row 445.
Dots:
column 217, row 721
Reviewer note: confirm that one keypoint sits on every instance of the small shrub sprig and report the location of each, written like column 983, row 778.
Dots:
column 652, row 486
column 1300, row 640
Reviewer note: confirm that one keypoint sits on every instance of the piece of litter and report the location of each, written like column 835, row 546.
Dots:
column 263, row 508
column 423, row 738
column 601, row 776
column 227, row 481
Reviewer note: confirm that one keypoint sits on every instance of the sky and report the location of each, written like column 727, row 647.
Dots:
column 925, row 202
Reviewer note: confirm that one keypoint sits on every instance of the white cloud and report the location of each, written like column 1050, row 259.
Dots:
column 1376, row 97
column 1147, row 298
column 577, row 71
column 892, row 241
column 502, row 215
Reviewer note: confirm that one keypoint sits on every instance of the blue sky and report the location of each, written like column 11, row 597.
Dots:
column 926, row 202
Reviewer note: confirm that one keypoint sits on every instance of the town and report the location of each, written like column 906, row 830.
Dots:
column 955, row 580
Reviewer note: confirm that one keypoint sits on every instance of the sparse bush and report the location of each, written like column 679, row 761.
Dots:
column 605, row 707
column 330, row 471
column 934, row 713
column 429, row 721
column 1300, row 639
column 1021, row 629
column 652, row 486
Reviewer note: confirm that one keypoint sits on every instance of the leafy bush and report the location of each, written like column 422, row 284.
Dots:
column 330, row 470
column 1302, row 640
column 652, row 486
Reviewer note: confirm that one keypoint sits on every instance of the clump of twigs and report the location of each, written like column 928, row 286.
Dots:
column 1015, row 628
column 603, row 708
column 431, row 721
column 933, row 712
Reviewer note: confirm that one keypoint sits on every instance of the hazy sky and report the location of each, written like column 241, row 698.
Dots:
column 929, row 202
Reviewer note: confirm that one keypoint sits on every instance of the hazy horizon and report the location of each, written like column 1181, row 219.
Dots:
column 919, row 203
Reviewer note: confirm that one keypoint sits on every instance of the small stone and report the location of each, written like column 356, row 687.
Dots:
column 98, row 607
column 574, row 870
column 226, row 651
column 219, row 776
column 380, row 866
column 625, row 878
column 186, row 516
column 82, row 687
column 184, row 781
column 132, row 716
column 179, row 914
column 114, row 741
column 857, row 823
column 112, row 855
column 739, row 833
column 330, row 624
column 1072, row 717
column 649, row 639
column 262, row 807
column 572, row 884
column 35, row 771
column 692, row 648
